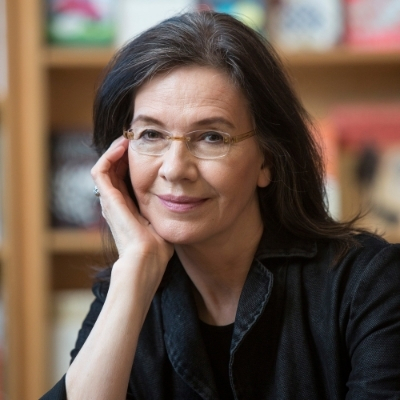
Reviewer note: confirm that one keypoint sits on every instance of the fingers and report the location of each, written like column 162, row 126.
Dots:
column 104, row 172
column 109, row 159
column 122, row 166
column 121, row 171
column 132, row 233
column 109, row 176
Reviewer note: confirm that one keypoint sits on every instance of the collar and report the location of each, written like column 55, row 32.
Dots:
column 278, row 243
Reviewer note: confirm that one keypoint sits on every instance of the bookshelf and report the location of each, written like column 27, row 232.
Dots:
column 51, row 87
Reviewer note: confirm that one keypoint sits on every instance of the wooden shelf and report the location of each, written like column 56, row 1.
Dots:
column 77, row 57
column 74, row 241
column 74, row 57
column 341, row 56
column 2, row 106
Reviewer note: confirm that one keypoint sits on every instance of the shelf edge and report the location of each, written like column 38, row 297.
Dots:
column 340, row 56
column 82, row 57
column 67, row 57
column 74, row 241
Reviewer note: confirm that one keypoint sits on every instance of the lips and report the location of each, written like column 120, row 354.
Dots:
column 181, row 203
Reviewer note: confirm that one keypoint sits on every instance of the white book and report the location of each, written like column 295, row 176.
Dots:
column 3, row 347
column 70, row 308
column 2, row 168
column 135, row 16
column 307, row 24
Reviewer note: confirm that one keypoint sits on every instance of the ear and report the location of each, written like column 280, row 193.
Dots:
column 264, row 177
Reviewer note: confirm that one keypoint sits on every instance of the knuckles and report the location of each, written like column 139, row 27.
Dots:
column 94, row 172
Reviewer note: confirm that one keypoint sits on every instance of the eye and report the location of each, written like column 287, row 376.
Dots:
column 151, row 134
column 212, row 137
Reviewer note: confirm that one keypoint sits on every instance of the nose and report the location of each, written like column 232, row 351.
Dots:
column 178, row 163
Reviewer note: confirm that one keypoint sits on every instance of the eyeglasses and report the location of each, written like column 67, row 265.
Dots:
column 205, row 144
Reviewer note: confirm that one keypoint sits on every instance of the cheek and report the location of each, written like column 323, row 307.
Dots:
column 142, row 178
column 235, row 182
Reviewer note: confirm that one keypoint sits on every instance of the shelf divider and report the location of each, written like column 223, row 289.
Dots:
column 74, row 241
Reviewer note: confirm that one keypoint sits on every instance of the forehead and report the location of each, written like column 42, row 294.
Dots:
column 190, row 94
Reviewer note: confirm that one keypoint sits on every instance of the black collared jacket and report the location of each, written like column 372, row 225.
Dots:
column 306, row 328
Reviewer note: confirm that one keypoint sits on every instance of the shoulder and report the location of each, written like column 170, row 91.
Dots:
column 375, row 264
column 366, row 280
column 370, row 253
column 369, row 316
column 369, row 258
column 372, row 243
column 367, row 249
column 368, row 273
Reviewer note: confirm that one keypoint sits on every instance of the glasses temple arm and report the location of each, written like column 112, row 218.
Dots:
column 243, row 136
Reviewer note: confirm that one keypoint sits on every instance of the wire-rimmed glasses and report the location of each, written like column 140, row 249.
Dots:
column 205, row 144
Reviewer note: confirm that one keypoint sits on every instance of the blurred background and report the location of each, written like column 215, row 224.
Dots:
column 343, row 57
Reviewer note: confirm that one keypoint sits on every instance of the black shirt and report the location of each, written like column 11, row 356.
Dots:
column 217, row 341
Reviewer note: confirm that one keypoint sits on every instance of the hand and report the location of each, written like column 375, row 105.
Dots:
column 134, row 236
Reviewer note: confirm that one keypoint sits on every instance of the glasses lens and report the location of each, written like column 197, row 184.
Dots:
column 150, row 141
column 208, row 144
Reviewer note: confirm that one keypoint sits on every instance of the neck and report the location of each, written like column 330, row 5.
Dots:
column 218, row 270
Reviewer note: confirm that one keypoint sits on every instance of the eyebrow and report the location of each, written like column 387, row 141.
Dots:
column 147, row 119
column 215, row 120
column 201, row 123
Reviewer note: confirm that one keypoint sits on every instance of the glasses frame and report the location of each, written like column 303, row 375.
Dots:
column 228, row 139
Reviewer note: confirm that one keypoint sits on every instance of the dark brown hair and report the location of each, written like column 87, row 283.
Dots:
column 295, row 201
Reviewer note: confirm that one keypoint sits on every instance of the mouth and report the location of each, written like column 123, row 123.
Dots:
column 181, row 203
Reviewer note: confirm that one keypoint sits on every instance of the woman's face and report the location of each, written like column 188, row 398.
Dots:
column 186, row 199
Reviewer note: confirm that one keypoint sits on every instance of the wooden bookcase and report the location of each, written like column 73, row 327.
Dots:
column 54, row 87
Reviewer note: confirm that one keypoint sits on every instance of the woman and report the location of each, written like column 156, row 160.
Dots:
column 231, row 279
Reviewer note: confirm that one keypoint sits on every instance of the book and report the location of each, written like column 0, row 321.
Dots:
column 3, row 52
column 328, row 140
column 306, row 24
column 135, row 16
column 72, row 202
column 1, row 184
column 81, row 22
column 69, row 310
column 251, row 12
column 373, row 24
column 370, row 133
column 3, row 347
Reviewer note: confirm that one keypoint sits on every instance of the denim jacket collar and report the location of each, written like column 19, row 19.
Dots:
column 275, row 243
column 183, row 341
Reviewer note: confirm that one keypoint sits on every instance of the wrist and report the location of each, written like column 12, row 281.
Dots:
column 136, row 279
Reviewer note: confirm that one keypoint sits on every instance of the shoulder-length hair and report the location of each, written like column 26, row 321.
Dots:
column 295, row 201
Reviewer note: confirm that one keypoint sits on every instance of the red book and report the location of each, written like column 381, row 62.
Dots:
column 373, row 24
column 364, row 125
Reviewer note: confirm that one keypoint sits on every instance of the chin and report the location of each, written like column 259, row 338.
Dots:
column 180, row 234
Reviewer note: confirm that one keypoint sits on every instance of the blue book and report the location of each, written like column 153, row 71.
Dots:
column 250, row 12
